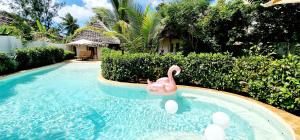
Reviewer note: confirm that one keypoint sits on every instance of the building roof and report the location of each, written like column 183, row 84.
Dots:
column 82, row 42
column 95, row 33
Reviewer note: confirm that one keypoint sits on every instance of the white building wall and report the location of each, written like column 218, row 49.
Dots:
column 80, row 48
column 9, row 43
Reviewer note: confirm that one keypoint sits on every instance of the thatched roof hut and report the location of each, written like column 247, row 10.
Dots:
column 95, row 33
column 90, row 39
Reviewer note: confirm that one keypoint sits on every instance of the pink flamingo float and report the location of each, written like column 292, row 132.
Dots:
column 166, row 85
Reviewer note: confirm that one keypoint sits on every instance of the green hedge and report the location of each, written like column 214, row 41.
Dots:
column 38, row 56
column 7, row 64
column 280, row 86
column 276, row 82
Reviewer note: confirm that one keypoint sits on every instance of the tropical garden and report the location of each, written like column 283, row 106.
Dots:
column 237, row 46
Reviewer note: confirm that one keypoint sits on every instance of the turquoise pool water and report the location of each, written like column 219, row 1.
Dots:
column 67, row 101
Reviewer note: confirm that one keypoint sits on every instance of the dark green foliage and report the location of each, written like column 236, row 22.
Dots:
column 224, row 26
column 281, row 86
column 143, row 65
column 208, row 70
column 248, row 69
column 69, row 55
column 38, row 56
column 180, row 21
column 231, row 26
column 23, row 25
column 7, row 30
column 276, row 82
column 7, row 64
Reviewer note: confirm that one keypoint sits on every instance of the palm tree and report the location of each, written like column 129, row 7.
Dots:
column 70, row 24
column 134, row 25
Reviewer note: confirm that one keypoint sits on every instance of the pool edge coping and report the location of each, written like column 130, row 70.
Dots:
column 33, row 69
column 282, row 116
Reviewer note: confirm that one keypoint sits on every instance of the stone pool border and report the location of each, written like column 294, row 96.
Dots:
column 44, row 67
column 291, row 121
column 33, row 69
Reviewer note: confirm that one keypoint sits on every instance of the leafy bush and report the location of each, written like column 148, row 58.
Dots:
column 276, row 82
column 247, row 69
column 68, row 55
column 281, row 86
column 38, row 56
column 10, row 30
column 128, row 67
column 7, row 64
column 208, row 70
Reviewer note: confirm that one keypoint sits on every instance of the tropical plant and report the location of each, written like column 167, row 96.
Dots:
column 106, row 16
column 42, row 33
column 7, row 30
column 137, row 28
column 41, row 28
column 70, row 24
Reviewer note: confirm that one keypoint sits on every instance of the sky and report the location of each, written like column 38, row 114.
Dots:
column 82, row 9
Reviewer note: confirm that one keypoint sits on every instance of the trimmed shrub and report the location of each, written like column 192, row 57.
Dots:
column 38, row 56
column 281, row 86
column 213, row 68
column 207, row 70
column 276, row 82
column 7, row 64
column 248, row 69
column 69, row 55
column 115, row 65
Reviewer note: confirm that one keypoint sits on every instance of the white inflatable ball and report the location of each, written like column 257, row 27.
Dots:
column 171, row 106
column 221, row 119
column 214, row 132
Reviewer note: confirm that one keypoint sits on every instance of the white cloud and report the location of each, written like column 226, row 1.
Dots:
column 4, row 5
column 155, row 3
column 82, row 13
column 97, row 3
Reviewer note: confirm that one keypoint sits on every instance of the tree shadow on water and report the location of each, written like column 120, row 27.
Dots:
column 98, row 120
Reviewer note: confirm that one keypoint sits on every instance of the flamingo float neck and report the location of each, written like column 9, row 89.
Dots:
column 170, row 73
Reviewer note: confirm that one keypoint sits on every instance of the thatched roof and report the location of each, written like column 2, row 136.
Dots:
column 95, row 33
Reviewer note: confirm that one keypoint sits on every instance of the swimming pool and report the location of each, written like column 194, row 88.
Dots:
column 68, row 101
